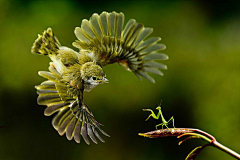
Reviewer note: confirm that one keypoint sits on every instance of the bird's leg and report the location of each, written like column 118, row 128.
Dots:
column 82, row 104
column 85, row 106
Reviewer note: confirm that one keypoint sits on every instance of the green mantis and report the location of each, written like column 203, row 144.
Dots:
column 164, row 122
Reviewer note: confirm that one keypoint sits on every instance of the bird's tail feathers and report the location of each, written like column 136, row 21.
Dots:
column 76, row 121
column 46, row 44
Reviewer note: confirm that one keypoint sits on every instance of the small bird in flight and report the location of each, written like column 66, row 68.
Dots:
column 101, row 41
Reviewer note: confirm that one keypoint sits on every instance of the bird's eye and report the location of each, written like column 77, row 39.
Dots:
column 94, row 78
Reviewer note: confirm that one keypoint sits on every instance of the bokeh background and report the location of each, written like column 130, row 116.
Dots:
column 201, row 87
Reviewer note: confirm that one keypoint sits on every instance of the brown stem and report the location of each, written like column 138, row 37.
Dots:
column 180, row 132
column 167, row 132
column 225, row 149
column 206, row 134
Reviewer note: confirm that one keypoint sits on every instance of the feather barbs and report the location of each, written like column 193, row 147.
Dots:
column 104, row 36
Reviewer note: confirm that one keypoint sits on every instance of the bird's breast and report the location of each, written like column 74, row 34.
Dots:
column 75, row 84
column 88, row 87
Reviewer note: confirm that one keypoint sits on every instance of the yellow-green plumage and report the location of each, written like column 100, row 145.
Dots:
column 101, row 41
column 92, row 69
column 67, row 57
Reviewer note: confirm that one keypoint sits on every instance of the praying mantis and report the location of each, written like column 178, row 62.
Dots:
column 164, row 122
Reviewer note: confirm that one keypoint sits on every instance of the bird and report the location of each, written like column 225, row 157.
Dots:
column 101, row 40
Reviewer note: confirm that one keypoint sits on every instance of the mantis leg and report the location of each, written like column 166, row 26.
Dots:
column 159, row 125
column 171, row 120
column 152, row 114
column 148, row 117
column 164, row 122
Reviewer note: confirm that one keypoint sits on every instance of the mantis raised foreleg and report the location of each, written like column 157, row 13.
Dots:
column 164, row 122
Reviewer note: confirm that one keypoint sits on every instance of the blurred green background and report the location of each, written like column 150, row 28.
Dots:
column 201, row 87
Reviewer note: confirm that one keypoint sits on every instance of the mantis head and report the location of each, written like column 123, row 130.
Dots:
column 158, row 108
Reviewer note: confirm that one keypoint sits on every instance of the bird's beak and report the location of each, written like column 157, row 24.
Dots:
column 104, row 80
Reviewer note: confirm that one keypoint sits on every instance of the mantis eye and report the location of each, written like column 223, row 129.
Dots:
column 94, row 78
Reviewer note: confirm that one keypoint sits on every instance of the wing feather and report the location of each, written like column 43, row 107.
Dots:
column 70, row 129
column 147, row 43
column 152, row 70
column 74, row 117
column 80, row 35
column 145, row 75
column 143, row 34
column 104, row 23
column 159, row 56
column 96, row 28
column 98, row 136
column 112, row 22
column 77, row 131
column 86, row 26
column 54, row 107
column 90, row 133
column 103, row 35
column 155, row 64
column 152, row 49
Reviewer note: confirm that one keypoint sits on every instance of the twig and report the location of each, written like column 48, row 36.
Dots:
column 193, row 133
column 225, row 149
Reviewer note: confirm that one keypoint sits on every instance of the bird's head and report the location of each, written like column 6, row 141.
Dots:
column 93, row 73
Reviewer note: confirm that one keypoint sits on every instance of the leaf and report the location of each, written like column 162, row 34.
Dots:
column 191, row 137
column 193, row 154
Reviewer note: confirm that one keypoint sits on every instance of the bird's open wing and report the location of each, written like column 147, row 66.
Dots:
column 73, row 117
column 104, row 37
